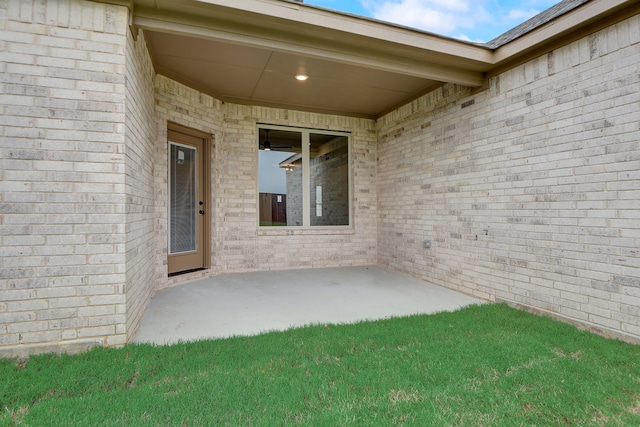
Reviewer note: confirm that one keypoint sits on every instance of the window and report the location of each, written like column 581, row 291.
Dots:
column 182, row 198
column 303, row 177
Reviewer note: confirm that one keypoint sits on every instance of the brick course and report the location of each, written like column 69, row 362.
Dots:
column 142, row 272
column 237, row 244
column 528, row 190
column 61, row 139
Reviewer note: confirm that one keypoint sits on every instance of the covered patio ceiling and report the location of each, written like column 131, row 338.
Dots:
column 249, row 52
column 246, row 74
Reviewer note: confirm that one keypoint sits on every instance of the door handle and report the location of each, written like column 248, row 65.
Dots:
column 201, row 212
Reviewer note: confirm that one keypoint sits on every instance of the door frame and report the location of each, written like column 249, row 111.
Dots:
column 174, row 133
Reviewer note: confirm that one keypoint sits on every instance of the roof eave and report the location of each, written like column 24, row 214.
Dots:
column 561, row 29
column 320, row 33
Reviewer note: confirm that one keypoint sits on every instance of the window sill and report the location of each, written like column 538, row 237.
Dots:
column 278, row 231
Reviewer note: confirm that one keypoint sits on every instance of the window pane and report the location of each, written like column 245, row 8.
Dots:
column 329, row 180
column 280, row 178
column 182, row 199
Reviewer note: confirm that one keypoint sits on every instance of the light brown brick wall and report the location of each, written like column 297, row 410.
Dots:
column 529, row 191
column 237, row 244
column 140, row 157
column 62, row 182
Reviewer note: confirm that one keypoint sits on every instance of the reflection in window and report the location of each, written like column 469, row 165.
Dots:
column 280, row 178
column 303, row 178
column 329, row 172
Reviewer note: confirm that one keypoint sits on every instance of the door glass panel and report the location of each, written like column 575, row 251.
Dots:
column 329, row 180
column 280, row 178
column 182, row 198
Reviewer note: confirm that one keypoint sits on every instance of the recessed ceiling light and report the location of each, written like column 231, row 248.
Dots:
column 301, row 77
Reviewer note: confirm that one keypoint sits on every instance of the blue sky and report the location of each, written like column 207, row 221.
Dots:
column 474, row 20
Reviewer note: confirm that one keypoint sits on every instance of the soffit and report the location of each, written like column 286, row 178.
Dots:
column 248, row 51
column 259, row 76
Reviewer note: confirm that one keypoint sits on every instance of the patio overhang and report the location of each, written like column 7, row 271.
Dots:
column 249, row 51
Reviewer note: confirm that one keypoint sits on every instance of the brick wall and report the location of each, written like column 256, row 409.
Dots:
column 530, row 190
column 242, row 247
column 141, row 271
column 62, row 188
column 182, row 105
column 237, row 244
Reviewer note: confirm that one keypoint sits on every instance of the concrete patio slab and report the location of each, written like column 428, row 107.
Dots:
column 253, row 303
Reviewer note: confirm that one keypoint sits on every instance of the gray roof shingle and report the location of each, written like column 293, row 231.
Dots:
column 540, row 19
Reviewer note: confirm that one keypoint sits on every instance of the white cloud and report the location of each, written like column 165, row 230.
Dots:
column 455, row 5
column 413, row 14
column 446, row 17
column 462, row 19
column 521, row 15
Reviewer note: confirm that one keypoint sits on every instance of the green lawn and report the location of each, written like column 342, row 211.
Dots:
column 486, row 365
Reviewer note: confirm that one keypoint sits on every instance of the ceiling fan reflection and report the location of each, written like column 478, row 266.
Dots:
column 266, row 145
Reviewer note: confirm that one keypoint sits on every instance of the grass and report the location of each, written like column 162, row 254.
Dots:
column 272, row 224
column 486, row 365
